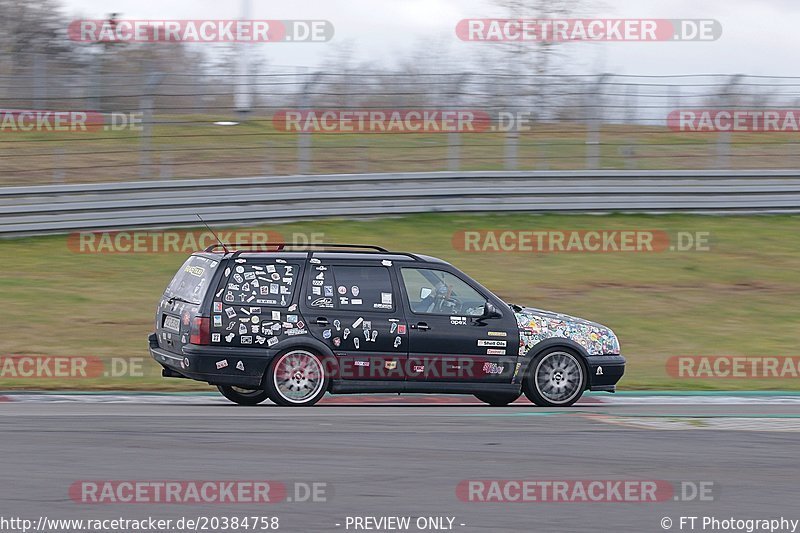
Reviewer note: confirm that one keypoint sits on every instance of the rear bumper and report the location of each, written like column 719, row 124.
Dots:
column 605, row 371
column 201, row 363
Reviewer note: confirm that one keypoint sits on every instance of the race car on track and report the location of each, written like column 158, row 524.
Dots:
column 290, row 323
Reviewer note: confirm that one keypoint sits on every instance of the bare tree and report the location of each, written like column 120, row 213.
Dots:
column 534, row 60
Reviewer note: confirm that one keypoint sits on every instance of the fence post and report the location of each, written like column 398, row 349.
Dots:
column 628, row 151
column 723, row 149
column 39, row 81
column 593, row 127
column 454, row 137
column 511, row 149
column 146, row 107
column 729, row 100
column 304, row 137
column 58, row 169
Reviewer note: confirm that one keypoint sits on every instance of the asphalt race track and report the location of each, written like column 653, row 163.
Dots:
column 405, row 460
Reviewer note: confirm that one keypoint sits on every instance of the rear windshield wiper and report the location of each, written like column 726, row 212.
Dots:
column 179, row 299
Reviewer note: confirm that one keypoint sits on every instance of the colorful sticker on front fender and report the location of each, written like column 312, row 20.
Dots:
column 534, row 328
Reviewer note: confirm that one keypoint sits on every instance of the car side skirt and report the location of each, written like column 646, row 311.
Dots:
column 421, row 387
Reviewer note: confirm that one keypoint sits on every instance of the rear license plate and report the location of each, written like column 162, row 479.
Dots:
column 172, row 323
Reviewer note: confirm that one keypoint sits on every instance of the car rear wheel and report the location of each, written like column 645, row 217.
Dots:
column 297, row 378
column 497, row 399
column 243, row 396
column 556, row 378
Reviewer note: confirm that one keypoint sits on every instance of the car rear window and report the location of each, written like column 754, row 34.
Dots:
column 192, row 280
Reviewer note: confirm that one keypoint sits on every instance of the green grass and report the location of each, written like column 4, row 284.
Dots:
column 739, row 298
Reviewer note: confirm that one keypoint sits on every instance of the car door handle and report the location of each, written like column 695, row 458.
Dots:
column 420, row 325
column 322, row 321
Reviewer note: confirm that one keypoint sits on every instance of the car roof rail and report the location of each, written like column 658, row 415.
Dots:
column 280, row 246
column 312, row 248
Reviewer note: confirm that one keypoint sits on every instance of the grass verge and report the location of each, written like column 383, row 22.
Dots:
column 738, row 298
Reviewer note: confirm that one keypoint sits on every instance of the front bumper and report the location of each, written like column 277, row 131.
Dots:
column 200, row 363
column 605, row 371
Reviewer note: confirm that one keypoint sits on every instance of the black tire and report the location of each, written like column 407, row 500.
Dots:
column 555, row 378
column 498, row 399
column 296, row 378
column 243, row 396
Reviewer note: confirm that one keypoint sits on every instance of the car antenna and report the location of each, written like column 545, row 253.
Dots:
column 212, row 233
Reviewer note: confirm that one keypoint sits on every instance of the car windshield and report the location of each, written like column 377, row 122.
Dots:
column 191, row 282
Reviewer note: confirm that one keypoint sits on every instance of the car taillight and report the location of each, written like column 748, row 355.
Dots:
column 200, row 331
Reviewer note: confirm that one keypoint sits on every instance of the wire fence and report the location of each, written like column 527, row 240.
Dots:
column 156, row 123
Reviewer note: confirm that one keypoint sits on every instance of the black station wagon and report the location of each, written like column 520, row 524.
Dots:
column 292, row 323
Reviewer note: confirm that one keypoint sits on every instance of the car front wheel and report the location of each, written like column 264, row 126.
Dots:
column 296, row 378
column 243, row 396
column 556, row 378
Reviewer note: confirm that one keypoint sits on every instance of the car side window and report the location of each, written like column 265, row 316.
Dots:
column 436, row 292
column 363, row 288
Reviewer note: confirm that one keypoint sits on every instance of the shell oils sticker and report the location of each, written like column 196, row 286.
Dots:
column 492, row 343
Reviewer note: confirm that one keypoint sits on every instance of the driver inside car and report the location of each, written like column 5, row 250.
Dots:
column 433, row 302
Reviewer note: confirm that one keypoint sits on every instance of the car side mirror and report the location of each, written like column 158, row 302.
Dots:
column 424, row 292
column 489, row 311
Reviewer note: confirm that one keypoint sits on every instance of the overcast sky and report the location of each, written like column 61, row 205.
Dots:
column 759, row 36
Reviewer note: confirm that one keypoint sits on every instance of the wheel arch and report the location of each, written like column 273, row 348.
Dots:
column 548, row 344
column 306, row 342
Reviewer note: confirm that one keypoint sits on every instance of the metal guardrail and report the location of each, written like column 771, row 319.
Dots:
column 242, row 201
